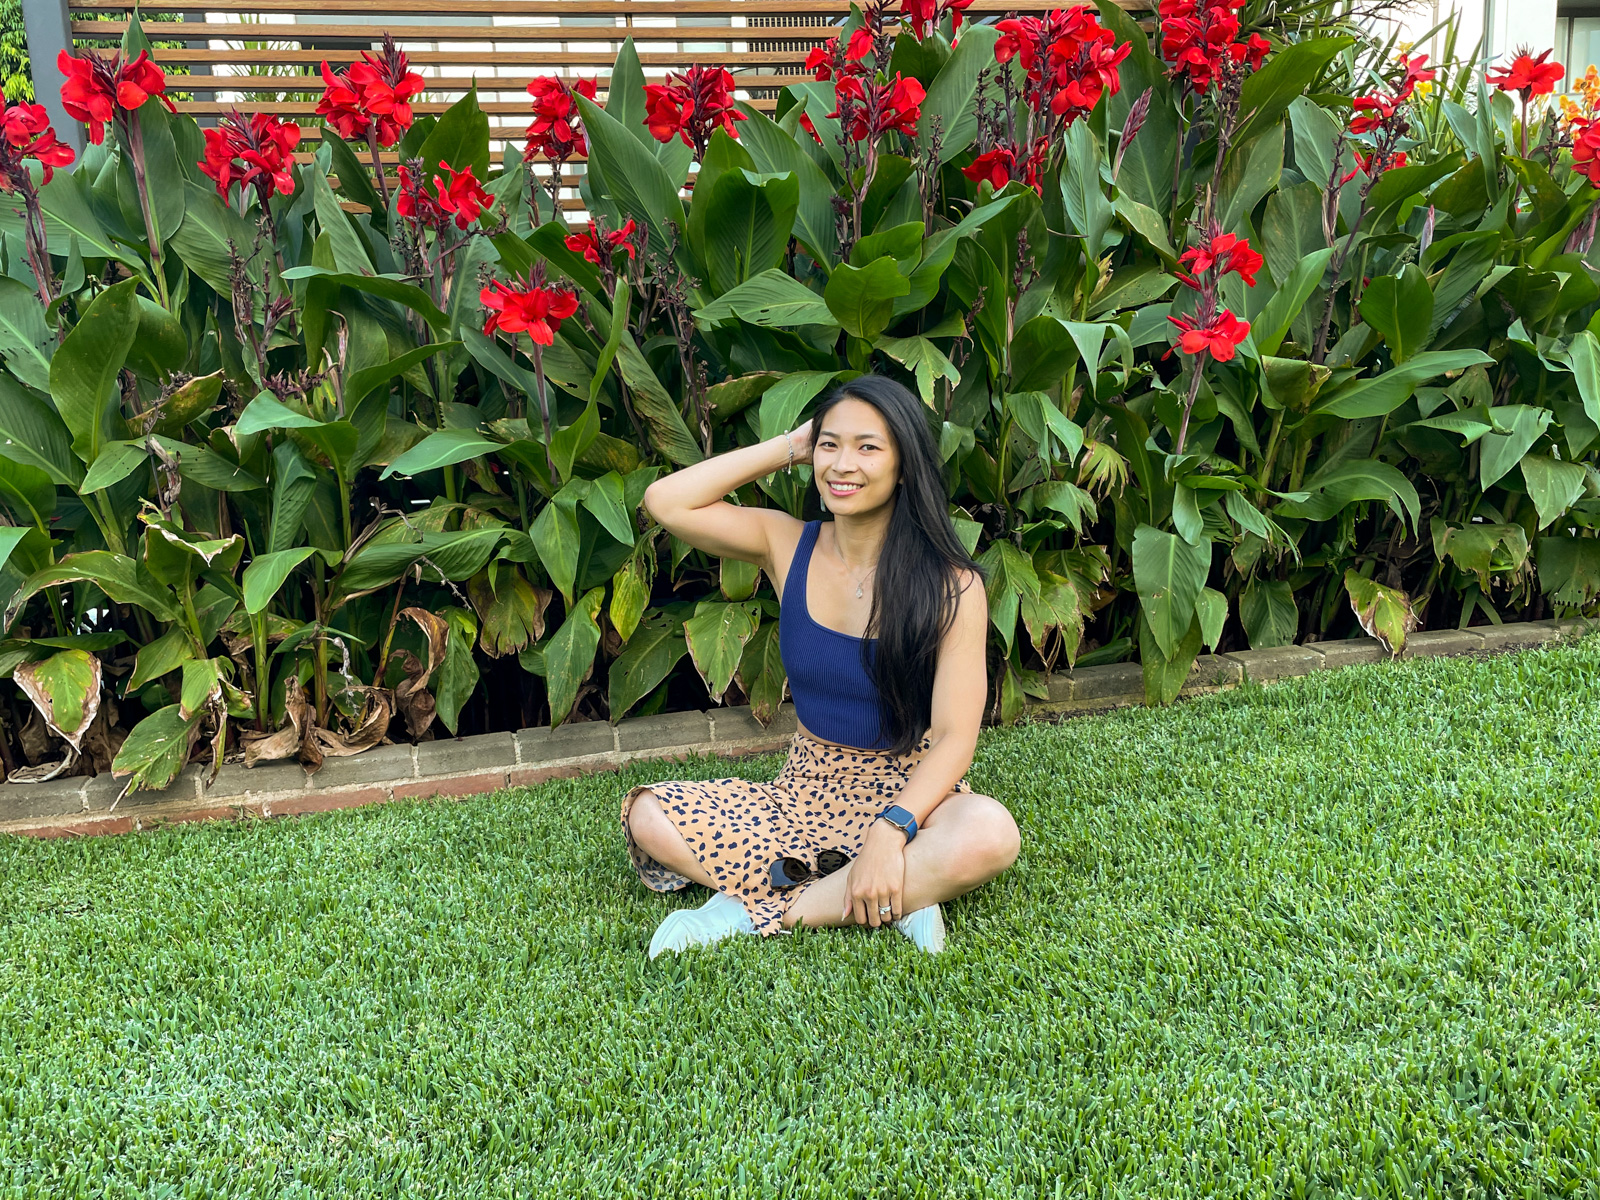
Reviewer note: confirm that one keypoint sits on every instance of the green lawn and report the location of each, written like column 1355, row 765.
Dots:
column 1336, row 937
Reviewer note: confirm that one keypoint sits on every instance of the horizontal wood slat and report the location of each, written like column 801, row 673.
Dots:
column 113, row 30
column 435, row 83
column 516, row 8
column 471, row 58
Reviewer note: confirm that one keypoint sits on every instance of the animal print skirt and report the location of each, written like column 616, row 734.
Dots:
column 759, row 841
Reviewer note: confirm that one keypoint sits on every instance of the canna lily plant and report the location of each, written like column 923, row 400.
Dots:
column 1232, row 335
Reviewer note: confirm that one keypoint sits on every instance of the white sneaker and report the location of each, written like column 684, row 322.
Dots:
column 718, row 918
column 925, row 928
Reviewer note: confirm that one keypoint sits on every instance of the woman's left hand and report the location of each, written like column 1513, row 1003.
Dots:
column 877, row 877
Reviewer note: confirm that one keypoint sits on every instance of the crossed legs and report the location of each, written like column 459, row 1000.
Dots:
column 967, row 841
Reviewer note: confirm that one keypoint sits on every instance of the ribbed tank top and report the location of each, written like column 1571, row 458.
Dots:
column 834, row 696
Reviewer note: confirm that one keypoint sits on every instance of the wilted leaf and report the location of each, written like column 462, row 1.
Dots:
column 654, row 649
column 156, row 749
column 511, row 611
column 1384, row 612
column 65, row 688
column 717, row 634
column 761, row 673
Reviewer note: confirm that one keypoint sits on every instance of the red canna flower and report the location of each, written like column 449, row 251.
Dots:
column 1528, row 76
column 25, row 133
column 372, row 97
column 690, row 106
column 1250, row 53
column 99, row 87
column 1225, row 252
column 593, row 244
column 463, row 197
column 829, row 61
column 1415, row 74
column 924, row 15
column 256, row 151
column 1219, row 335
column 995, row 166
column 1197, row 41
column 1374, row 109
column 414, row 202
column 1373, row 164
column 555, row 132
column 529, row 308
column 810, row 127
column 896, row 105
column 1071, row 60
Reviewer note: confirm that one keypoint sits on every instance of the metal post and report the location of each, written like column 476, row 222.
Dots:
column 49, row 29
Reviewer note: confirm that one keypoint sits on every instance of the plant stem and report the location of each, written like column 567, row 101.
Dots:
column 1188, row 405
column 258, row 634
column 377, row 169
column 135, row 137
column 543, row 400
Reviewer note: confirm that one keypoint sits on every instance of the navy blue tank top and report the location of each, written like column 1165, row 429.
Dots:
column 834, row 697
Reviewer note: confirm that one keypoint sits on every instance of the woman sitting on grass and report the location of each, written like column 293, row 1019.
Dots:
column 883, row 631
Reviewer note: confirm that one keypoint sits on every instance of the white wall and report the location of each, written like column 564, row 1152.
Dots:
column 1509, row 24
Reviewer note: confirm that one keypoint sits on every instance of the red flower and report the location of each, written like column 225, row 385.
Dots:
column 594, row 243
column 690, row 106
column 1219, row 335
column 1414, row 74
column 99, row 87
column 258, row 151
column 372, row 97
column 1366, row 165
column 414, row 202
column 860, row 45
column 1197, row 41
column 1528, row 76
column 1586, row 148
column 532, row 309
column 995, row 166
column 924, row 15
column 1225, row 252
column 895, row 105
column 1375, row 110
column 1071, row 60
column 463, row 196
column 829, row 61
column 807, row 124
column 1251, row 53
column 555, row 132
column 25, row 133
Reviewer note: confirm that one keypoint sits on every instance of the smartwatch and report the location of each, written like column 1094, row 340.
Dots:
column 901, row 818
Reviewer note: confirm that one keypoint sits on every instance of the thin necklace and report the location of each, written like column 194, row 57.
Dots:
column 860, row 583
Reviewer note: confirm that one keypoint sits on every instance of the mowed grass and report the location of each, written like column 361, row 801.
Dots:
column 1333, row 937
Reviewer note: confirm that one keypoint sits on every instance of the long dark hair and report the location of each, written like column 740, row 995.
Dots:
column 918, row 565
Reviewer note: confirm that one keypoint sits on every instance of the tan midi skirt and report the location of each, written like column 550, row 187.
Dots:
column 811, row 819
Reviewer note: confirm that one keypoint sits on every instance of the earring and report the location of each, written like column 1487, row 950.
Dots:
column 822, row 500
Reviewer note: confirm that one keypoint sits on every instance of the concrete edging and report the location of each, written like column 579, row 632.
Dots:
column 460, row 767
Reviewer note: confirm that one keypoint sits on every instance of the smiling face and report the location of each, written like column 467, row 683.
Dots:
column 856, row 463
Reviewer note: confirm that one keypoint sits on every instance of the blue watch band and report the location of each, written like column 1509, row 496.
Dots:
column 902, row 819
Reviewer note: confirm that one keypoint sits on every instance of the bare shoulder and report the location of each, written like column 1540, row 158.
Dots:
column 783, row 538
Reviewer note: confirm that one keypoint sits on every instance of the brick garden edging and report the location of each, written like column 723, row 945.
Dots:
column 467, row 766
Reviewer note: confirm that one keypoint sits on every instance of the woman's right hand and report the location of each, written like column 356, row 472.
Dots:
column 800, row 439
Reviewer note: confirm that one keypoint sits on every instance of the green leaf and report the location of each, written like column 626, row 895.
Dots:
column 774, row 151
column 263, row 578
column 1401, row 308
column 1272, row 324
column 771, row 299
column 655, row 648
column 160, row 657
column 25, row 339
column 717, row 634
column 748, row 221
column 567, row 443
column 862, row 299
column 1212, row 608
column 65, row 688
column 1164, row 673
column 124, row 579
column 656, row 407
column 1011, row 581
column 83, row 373
column 364, row 382
column 1524, row 424
column 388, row 288
column 569, row 657
column 117, row 461
column 1349, row 482
column 354, row 180
column 1382, row 394
column 631, row 175
column 1041, row 352
column 1088, row 210
column 607, row 501
column 512, row 612
column 630, row 590
column 1286, row 74
column 203, row 240
column 923, row 359
column 461, row 138
column 160, row 345
column 1554, row 486
column 1268, row 613
column 32, row 433
column 1569, row 569
column 293, row 484
column 1584, row 357
column 458, row 674
column 157, row 748
column 1252, row 171
column 1168, row 574
column 761, row 673
column 266, row 412
column 442, row 448
column 621, row 306
column 350, row 255
column 555, row 536
column 949, row 104
column 1384, row 612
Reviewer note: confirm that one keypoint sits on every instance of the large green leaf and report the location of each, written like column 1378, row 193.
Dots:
column 1168, row 574
column 32, row 433
column 1285, row 75
column 1569, row 569
column 263, row 578
column 211, row 233
column 442, row 448
column 1166, row 672
column 1554, row 485
column 1010, row 579
column 1272, row 324
column 569, row 656
column 1584, row 357
column 1524, row 424
column 157, row 748
column 748, row 222
column 717, row 634
column 631, row 175
column 1041, row 352
column 1088, row 210
column 124, row 579
column 1349, row 482
column 1401, row 308
column 774, row 151
column 25, row 339
column 761, row 673
column 949, row 104
column 350, row 254
column 861, row 299
column 461, row 138
column 557, row 539
column 389, row 288
column 458, row 674
column 1381, row 394
column 83, row 373
column 1268, row 613
column 771, row 298
column 65, row 688
column 654, row 649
